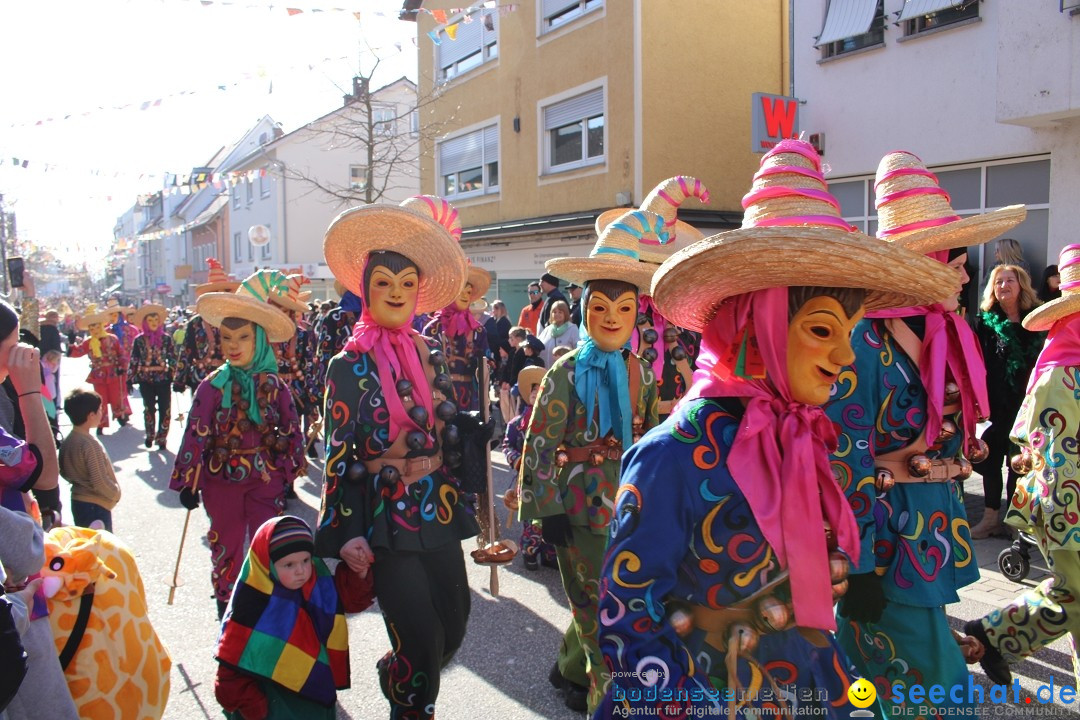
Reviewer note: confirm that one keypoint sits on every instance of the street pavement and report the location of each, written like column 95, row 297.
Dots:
column 500, row 671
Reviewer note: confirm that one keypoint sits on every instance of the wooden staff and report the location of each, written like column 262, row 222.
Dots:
column 493, row 523
column 176, row 582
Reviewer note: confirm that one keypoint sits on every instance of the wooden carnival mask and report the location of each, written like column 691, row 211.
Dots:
column 610, row 321
column 392, row 285
column 819, row 347
column 238, row 342
column 464, row 297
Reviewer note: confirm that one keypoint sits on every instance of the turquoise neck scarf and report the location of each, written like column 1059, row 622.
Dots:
column 263, row 362
column 600, row 374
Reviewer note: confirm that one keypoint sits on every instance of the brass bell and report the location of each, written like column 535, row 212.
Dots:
column 678, row 354
column 643, row 319
column 952, row 393
column 670, row 334
column 596, row 458
column 743, row 636
column 243, row 425
column 978, row 450
column 649, row 355
column 919, row 465
column 839, row 566
column 453, row 459
column 884, row 480
column 839, row 590
column 233, row 442
column 681, row 622
column 268, row 439
column 443, row 384
column 650, row 336
column 561, row 458
column 772, row 614
column 830, row 537
column 419, row 415
column 965, row 469
column 451, row 435
column 948, row 432
column 1022, row 463
column 282, row 444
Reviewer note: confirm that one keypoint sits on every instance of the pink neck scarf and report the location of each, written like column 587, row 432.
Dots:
column 949, row 347
column 153, row 337
column 646, row 307
column 395, row 358
column 456, row 322
column 780, row 455
column 1062, row 349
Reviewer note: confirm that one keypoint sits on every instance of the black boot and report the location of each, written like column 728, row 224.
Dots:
column 221, row 605
column 576, row 697
column 993, row 664
column 555, row 677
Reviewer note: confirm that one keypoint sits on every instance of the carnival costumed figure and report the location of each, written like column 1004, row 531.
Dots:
column 593, row 403
column 242, row 445
column 108, row 365
column 731, row 539
column 201, row 353
column 1046, row 501
column 120, row 325
column 463, row 338
column 906, row 413
column 669, row 349
column 388, row 495
column 295, row 356
column 153, row 362
column 331, row 333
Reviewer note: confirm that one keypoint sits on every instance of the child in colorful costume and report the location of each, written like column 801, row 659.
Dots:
column 729, row 536
column 533, row 548
column 388, row 494
column 243, row 443
column 670, row 349
column 594, row 402
column 906, row 413
column 1045, row 503
column 200, row 353
column 284, row 646
column 108, row 365
column 153, row 363
column 462, row 336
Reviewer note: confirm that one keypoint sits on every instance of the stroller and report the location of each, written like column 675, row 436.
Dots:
column 1015, row 560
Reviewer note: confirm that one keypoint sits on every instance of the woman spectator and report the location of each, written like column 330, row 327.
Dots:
column 559, row 332
column 1050, row 288
column 498, row 329
column 1010, row 352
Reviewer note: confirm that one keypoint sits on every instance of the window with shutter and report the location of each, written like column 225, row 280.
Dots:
column 574, row 131
column 468, row 164
column 557, row 13
column 476, row 42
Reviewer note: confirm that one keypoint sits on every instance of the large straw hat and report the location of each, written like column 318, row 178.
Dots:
column 664, row 200
column 616, row 253
column 480, row 280
column 288, row 295
column 149, row 309
column 792, row 235
column 528, row 378
column 424, row 229
column 914, row 211
column 251, row 301
column 113, row 306
column 1044, row 316
column 90, row 316
column 217, row 280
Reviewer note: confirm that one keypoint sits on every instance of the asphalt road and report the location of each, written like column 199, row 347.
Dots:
column 500, row 671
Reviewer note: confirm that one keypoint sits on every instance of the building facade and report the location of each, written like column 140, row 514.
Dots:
column 561, row 109
column 986, row 93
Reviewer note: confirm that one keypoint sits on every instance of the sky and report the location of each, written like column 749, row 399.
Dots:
column 75, row 75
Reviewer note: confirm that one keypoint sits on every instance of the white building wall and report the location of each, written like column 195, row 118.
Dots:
column 954, row 96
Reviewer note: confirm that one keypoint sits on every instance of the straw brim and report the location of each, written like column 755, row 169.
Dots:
column 219, row 286
column 966, row 232
column 145, row 310
column 481, row 281
column 690, row 286
column 356, row 233
column 84, row 322
column 1044, row 316
column 684, row 235
column 529, row 378
column 581, row 270
column 215, row 307
column 287, row 303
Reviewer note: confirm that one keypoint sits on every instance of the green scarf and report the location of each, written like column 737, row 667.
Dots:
column 558, row 330
column 1016, row 364
column 263, row 362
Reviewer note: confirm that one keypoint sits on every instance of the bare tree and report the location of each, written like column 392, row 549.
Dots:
column 388, row 138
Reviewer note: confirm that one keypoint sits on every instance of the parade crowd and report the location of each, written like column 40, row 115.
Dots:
column 743, row 454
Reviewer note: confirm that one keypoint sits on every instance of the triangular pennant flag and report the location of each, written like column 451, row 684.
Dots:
column 293, row 11
column 434, row 37
column 440, row 16
column 451, row 31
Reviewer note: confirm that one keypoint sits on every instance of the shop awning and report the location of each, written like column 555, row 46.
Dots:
column 847, row 18
column 916, row 8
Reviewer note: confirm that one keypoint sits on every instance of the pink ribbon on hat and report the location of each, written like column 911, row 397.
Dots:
column 790, row 170
column 800, row 220
column 780, row 455
column 906, row 171
column 775, row 191
column 920, row 225
column 910, row 192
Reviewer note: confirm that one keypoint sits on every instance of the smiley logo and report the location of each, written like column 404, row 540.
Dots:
column 862, row 693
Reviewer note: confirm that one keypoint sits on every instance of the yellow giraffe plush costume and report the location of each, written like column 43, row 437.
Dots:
column 120, row 669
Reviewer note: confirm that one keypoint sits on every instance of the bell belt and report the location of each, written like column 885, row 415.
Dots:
column 410, row 469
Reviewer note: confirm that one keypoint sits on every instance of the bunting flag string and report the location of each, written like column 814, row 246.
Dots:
column 442, row 17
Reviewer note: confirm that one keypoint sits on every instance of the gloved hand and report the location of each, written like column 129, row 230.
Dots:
column 189, row 498
column 556, row 530
column 865, row 599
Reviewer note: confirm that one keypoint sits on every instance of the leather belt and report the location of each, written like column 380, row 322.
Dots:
column 940, row 470
column 584, row 454
column 410, row 469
